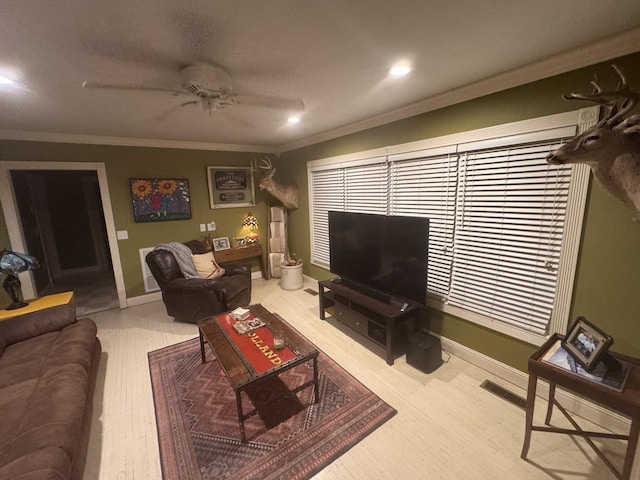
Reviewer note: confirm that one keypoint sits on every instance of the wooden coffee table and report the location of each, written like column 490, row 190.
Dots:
column 249, row 358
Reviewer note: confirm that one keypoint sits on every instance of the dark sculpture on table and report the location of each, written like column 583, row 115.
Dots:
column 12, row 263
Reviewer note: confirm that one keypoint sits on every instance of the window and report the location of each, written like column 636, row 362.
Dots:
column 502, row 237
column 508, row 233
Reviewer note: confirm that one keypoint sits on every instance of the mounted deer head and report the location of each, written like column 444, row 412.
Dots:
column 287, row 194
column 612, row 146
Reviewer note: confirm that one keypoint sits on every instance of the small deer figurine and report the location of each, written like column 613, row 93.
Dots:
column 287, row 194
column 612, row 146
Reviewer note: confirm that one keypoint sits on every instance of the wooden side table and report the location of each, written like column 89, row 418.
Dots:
column 626, row 402
column 241, row 253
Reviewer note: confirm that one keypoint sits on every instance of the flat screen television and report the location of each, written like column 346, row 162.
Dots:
column 381, row 253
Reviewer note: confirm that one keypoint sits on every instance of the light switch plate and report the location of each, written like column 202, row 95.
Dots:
column 203, row 227
column 211, row 226
column 122, row 234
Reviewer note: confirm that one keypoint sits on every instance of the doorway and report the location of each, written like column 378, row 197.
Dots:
column 61, row 214
column 63, row 225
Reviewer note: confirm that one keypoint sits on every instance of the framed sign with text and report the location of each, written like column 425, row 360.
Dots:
column 230, row 187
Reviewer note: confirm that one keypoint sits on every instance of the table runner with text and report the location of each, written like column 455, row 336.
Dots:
column 256, row 345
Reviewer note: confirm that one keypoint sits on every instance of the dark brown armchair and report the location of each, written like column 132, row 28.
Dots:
column 191, row 299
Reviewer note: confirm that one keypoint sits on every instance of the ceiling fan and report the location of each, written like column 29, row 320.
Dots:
column 209, row 86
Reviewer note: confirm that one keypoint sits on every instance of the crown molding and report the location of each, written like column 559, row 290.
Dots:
column 611, row 47
column 28, row 136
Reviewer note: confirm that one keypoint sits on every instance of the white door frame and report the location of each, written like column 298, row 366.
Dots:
column 14, row 227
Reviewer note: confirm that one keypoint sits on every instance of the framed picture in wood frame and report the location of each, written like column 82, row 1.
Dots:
column 238, row 242
column 586, row 343
column 230, row 187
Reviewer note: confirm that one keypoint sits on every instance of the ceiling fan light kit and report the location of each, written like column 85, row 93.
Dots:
column 195, row 76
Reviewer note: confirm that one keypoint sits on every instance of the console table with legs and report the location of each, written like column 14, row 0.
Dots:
column 626, row 402
column 253, row 250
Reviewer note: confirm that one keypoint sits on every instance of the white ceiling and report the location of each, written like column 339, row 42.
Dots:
column 334, row 54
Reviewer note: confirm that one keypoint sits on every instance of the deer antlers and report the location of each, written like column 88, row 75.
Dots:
column 618, row 102
column 265, row 164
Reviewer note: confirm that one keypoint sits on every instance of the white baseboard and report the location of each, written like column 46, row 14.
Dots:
column 310, row 282
column 581, row 407
column 142, row 299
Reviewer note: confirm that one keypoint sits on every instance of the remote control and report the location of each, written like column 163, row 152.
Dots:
column 404, row 306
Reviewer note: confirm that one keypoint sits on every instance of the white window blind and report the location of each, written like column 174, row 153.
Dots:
column 355, row 187
column 326, row 188
column 426, row 187
column 366, row 188
column 509, row 224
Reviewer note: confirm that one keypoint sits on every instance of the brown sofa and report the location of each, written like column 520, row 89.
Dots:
column 48, row 368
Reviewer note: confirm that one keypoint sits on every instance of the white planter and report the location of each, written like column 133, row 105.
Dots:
column 291, row 277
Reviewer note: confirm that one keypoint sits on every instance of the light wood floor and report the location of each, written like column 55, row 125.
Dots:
column 447, row 426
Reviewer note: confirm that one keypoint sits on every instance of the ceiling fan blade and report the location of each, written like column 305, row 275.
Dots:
column 165, row 114
column 110, row 86
column 282, row 103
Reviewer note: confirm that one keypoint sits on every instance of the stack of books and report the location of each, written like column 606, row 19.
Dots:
column 240, row 313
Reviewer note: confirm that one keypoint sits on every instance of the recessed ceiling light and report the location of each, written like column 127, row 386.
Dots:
column 294, row 120
column 399, row 70
column 5, row 80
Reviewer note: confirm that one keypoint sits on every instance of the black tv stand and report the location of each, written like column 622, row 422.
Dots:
column 368, row 291
column 386, row 324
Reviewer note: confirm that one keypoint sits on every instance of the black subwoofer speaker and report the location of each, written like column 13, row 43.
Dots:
column 424, row 352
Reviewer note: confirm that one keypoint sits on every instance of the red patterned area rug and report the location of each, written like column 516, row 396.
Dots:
column 198, row 429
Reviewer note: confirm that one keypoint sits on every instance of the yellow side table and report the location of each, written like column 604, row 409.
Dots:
column 38, row 304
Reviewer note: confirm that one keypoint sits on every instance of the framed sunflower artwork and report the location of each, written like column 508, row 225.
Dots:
column 158, row 200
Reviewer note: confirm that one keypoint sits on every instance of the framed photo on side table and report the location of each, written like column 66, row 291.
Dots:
column 586, row 343
column 221, row 243
column 238, row 242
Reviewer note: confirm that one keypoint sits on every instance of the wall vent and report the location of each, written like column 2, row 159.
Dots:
column 150, row 284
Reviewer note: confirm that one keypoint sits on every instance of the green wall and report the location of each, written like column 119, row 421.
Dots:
column 608, row 273
column 123, row 163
